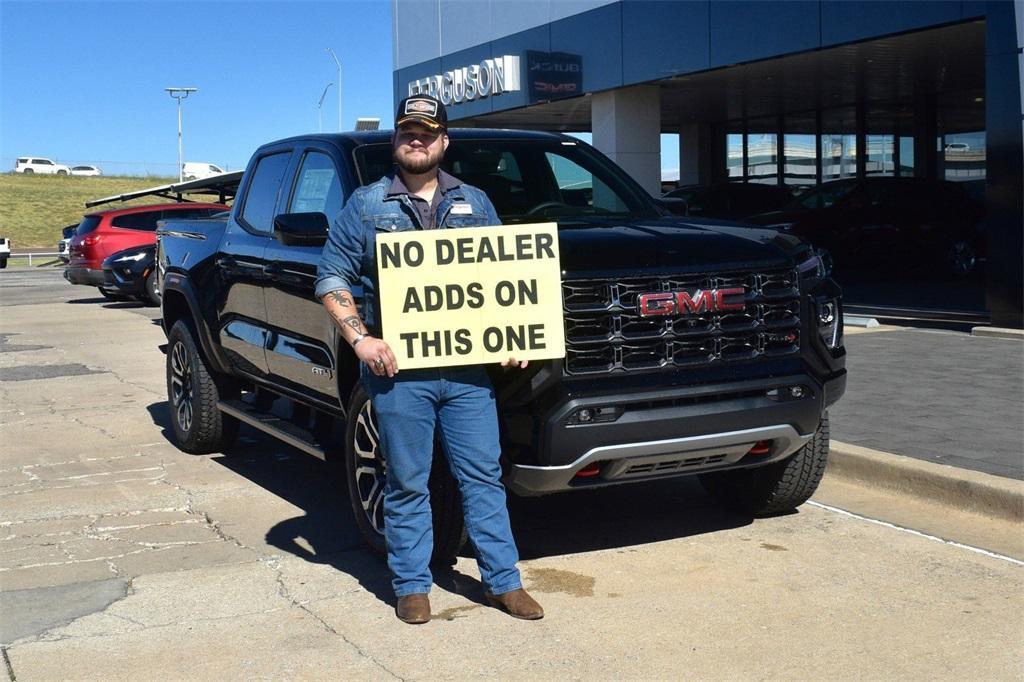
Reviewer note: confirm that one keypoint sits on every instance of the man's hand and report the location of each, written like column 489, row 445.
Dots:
column 373, row 351
column 512, row 362
column 377, row 355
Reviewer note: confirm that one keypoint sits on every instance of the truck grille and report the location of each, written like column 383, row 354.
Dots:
column 605, row 333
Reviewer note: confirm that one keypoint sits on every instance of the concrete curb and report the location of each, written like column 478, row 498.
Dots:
column 952, row 486
column 998, row 333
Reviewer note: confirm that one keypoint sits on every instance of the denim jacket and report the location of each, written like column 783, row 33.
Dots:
column 349, row 257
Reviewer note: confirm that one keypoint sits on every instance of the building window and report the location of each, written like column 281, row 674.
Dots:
column 800, row 150
column 734, row 156
column 906, row 168
column 763, row 158
column 880, row 155
column 838, row 144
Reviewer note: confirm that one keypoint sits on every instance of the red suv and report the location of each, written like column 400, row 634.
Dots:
column 106, row 232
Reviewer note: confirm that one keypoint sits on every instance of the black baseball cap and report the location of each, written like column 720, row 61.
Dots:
column 422, row 109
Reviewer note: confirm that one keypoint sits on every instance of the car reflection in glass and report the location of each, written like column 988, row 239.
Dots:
column 887, row 227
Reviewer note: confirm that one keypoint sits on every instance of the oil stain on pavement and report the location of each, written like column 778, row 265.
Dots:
column 554, row 580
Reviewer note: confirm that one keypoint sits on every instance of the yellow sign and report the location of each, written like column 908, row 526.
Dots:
column 471, row 295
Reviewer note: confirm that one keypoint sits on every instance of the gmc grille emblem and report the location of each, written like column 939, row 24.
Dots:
column 692, row 303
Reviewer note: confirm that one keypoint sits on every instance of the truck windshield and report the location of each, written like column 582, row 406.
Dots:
column 529, row 180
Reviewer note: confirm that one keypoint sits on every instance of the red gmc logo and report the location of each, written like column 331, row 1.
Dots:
column 687, row 303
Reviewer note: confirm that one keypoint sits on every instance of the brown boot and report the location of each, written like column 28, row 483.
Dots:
column 413, row 609
column 517, row 604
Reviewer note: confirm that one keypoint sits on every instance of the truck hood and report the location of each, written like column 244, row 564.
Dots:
column 616, row 248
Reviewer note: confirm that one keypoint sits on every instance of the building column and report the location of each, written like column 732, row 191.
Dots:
column 695, row 160
column 626, row 125
column 1004, row 165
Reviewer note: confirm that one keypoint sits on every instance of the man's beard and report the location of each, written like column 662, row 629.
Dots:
column 419, row 163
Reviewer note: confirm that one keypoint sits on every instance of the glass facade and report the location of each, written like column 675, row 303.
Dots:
column 782, row 97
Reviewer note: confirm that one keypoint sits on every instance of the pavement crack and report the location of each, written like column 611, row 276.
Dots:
column 7, row 664
column 283, row 592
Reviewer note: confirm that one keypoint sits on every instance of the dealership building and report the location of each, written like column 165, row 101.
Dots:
column 793, row 92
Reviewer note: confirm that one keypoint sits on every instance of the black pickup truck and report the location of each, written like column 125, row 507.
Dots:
column 692, row 347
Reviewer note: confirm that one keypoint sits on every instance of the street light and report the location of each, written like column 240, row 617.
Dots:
column 180, row 94
column 319, row 120
column 335, row 57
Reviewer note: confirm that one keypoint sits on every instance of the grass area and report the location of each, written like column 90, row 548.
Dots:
column 34, row 208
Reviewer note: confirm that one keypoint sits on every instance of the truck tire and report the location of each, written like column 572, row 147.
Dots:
column 365, row 470
column 775, row 488
column 192, row 394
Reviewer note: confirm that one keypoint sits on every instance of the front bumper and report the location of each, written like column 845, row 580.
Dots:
column 675, row 432
column 83, row 275
column 124, row 282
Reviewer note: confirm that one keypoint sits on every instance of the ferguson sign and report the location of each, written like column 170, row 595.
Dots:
column 465, row 84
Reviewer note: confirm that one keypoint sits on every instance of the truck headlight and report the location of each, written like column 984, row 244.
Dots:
column 812, row 267
column 817, row 264
column 829, row 316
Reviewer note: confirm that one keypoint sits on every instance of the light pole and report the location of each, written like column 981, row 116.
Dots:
column 180, row 94
column 335, row 57
column 319, row 120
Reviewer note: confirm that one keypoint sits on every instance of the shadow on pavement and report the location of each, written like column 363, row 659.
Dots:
column 554, row 525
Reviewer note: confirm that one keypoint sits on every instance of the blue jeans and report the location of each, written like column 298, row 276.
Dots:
column 408, row 407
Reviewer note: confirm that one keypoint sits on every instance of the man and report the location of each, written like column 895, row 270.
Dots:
column 418, row 195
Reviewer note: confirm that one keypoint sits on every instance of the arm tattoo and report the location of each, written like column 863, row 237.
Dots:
column 354, row 322
column 340, row 299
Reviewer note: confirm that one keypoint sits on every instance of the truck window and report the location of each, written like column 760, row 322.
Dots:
column 578, row 187
column 530, row 181
column 261, row 195
column 317, row 188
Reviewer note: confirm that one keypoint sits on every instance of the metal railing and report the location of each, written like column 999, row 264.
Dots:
column 30, row 256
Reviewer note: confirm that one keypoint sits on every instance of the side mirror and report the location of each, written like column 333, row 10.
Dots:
column 674, row 205
column 301, row 229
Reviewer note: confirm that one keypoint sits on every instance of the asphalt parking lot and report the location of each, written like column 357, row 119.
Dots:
column 123, row 558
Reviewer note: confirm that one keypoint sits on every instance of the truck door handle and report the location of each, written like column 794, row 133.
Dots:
column 272, row 269
column 225, row 262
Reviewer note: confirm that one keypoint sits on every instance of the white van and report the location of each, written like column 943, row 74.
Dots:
column 196, row 170
column 36, row 164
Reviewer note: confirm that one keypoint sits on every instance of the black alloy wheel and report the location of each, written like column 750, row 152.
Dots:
column 370, row 467
column 366, row 475
column 192, row 394
column 962, row 258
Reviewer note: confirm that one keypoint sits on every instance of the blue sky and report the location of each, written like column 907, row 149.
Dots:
column 83, row 82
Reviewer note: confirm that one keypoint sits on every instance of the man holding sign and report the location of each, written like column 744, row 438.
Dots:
column 420, row 196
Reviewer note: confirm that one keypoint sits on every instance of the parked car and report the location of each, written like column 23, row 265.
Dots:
column 734, row 200
column 5, row 251
column 37, row 164
column 106, row 232
column 195, row 170
column 909, row 223
column 86, row 170
column 132, row 273
column 64, row 245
